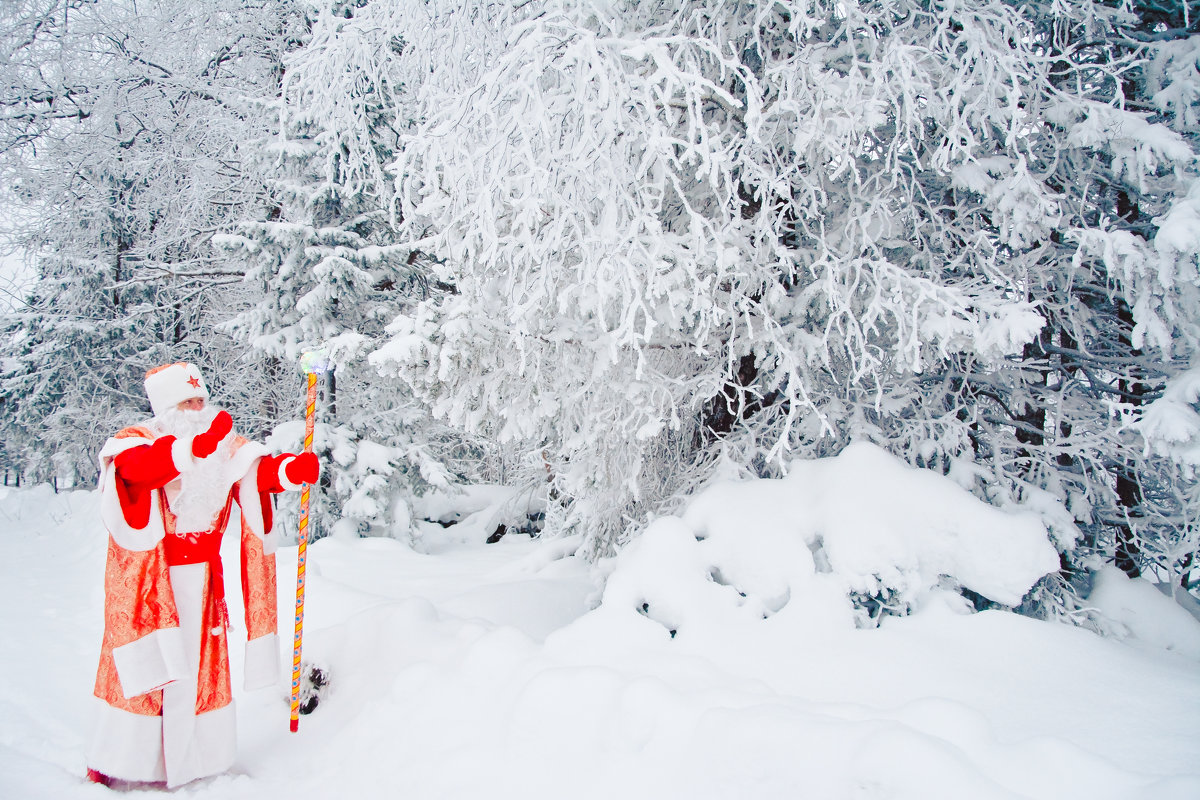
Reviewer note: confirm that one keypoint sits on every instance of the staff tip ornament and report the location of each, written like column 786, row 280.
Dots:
column 316, row 361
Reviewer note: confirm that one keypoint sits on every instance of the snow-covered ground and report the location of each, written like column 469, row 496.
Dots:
column 514, row 670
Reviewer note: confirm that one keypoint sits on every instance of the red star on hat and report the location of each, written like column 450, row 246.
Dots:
column 194, row 382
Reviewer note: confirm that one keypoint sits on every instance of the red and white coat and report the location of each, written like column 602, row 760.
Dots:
column 167, row 711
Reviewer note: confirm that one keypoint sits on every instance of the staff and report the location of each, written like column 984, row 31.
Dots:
column 312, row 363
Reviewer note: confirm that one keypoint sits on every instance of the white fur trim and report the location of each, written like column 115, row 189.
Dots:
column 173, row 384
column 130, row 746
column 283, row 478
column 111, row 514
column 249, row 502
column 113, row 447
column 210, row 750
column 125, row 745
column 251, row 509
column 150, row 662
column 244, row 463
column 181, row 455
column 262, row 662
column 194, row 745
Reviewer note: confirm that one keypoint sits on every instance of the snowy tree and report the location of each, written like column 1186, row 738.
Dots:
column 1145, row 192
column 121, row 149
column 666, row 214
column 325, row 266
column 767, row 230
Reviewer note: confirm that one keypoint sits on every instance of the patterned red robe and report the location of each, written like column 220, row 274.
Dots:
column 164, row 678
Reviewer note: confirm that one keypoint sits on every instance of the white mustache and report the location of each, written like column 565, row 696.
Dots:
column 185, row 423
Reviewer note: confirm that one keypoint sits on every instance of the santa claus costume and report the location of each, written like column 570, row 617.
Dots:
column 168, row 489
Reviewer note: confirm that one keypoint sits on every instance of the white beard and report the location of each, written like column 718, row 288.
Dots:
column 184, row 423
column 199, row 494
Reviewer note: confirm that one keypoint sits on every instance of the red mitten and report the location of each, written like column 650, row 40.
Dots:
column 304, row 468
column 205, row 444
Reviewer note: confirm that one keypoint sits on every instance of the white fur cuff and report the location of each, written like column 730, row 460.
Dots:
column 181, row 454
column 283, row 478
column 150, row 662
column 126, row 745
column 262, row 662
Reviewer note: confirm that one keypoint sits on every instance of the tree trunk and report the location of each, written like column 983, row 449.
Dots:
column 730, row 406
column 1031, row 427
column 331, row 396
column 1127, row 550
column 1129, row 490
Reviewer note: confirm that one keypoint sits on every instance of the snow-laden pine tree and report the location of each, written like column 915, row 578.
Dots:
column 328, row 272
column 673, row 230
column 1117, row 287
column 121, row 159
column 1151, row 252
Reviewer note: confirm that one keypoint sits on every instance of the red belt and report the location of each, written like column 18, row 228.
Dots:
column 201, row 548
column 193, row 548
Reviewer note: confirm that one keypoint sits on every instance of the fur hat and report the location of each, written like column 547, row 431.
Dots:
column 169, row 385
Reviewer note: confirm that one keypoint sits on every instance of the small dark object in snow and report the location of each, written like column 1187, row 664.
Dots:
column 313, row 681
column 497, row 534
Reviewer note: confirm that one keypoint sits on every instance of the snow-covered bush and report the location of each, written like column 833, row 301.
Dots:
column 839, row 541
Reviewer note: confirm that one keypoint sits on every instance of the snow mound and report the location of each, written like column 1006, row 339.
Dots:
column 839, row 540
column 1144, row 612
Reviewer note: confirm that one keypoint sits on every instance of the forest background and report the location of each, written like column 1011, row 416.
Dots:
column 604, row 251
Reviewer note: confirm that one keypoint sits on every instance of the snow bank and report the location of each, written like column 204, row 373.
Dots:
column 861, row 531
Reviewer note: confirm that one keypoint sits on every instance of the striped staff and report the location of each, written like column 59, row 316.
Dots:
column 312, row 364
